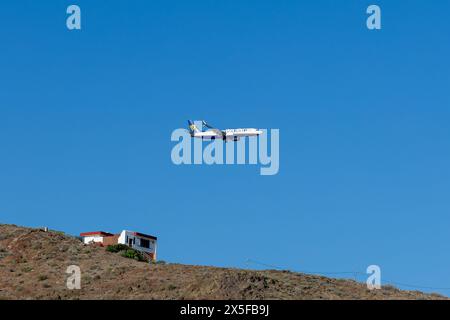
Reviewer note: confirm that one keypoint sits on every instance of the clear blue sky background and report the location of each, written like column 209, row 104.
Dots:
column 86, row 118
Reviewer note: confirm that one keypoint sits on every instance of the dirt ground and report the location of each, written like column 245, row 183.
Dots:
column 33, row 265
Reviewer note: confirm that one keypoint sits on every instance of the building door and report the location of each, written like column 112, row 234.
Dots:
column 130, row 242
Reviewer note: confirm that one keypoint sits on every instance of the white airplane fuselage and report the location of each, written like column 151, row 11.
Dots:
column 227, row 134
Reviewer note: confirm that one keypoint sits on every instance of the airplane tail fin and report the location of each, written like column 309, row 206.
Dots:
column 204, row 124
column 192, row 127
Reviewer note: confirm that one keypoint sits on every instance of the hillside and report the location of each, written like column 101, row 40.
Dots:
column 33, row 265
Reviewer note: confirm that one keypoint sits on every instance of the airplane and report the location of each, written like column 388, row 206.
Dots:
column 226, row 135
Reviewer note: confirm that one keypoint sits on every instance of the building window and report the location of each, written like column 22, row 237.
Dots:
column 145, row 243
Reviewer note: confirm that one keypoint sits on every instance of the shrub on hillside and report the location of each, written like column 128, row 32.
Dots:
column 133, row 254
column 42, row 277
column 117, row 248
column 125, row 251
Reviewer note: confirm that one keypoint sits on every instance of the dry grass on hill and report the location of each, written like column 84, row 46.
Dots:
column 33, row 265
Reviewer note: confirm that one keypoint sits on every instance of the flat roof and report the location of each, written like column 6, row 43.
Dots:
column 143, row 235
column 95, row 233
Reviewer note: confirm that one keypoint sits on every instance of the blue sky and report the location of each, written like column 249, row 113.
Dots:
column 86, row 118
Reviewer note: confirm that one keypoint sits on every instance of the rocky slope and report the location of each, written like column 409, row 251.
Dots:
column 33, row 265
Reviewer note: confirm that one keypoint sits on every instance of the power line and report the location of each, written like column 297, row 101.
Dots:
column 354, row 273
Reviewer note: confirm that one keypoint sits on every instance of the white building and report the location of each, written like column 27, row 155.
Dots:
column 144, row 243
column 139, row 241
column 95, row 237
